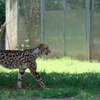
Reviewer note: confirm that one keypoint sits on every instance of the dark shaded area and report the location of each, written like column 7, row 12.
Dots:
column 2, row 20
column 61, row 84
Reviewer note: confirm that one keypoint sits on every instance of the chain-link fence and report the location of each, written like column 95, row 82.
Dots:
column 69, row 27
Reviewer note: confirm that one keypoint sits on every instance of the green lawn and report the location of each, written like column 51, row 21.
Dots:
column 67, row 78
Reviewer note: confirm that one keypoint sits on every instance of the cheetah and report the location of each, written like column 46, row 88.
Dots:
column 23, row 59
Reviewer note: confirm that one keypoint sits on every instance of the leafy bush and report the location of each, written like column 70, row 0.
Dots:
column 2, row 11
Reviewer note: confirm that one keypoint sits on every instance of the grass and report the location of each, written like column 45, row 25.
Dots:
column 67, row 78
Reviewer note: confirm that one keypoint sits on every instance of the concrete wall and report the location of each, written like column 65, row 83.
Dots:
column 11, row 20
column 20, row 27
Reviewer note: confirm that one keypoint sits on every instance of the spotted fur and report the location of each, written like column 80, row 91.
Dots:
column 23, row 59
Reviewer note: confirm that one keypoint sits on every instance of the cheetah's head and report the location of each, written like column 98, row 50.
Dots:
column 44, row 49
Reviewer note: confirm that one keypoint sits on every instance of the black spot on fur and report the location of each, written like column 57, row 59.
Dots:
column 21, row 73
column 19, row 80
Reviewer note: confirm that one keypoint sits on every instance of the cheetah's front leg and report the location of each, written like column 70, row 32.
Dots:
column 38, row 79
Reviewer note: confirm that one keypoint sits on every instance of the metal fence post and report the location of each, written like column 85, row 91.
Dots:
column 64, row 25
column 88, row 29
column 42, row 21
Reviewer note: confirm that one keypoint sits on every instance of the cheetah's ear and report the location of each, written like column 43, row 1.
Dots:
column 40, row 45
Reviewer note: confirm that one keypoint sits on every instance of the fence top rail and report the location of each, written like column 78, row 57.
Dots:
column 53, row 0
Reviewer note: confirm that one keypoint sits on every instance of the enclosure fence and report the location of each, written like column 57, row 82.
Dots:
column 70, row 27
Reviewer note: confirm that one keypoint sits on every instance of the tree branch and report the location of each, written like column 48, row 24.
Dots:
column 2, row 29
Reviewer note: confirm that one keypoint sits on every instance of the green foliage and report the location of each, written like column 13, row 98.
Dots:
column 2, row 12
column 97, row 6
column 31, row 10
column 58, row 5
column 67, row 78
column 26, row 45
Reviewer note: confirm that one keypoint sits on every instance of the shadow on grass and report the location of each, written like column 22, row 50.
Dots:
column 61, row 84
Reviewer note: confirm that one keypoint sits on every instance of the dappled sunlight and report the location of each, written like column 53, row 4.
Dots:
column 6, row 70
column 63, row 65
column 67, row 65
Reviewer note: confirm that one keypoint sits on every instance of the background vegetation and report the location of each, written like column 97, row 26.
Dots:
column 2, row 12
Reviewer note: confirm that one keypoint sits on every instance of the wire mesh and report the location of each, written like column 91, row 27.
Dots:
column 64, row 26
